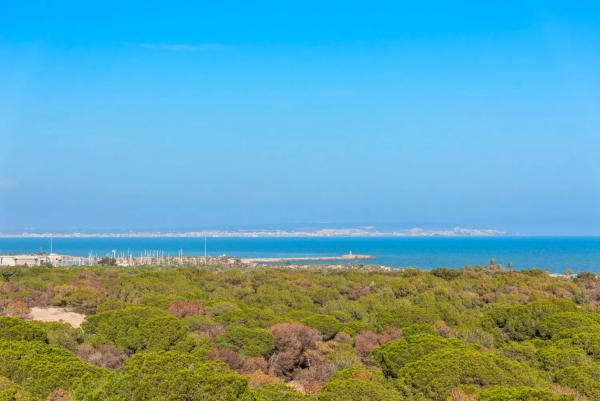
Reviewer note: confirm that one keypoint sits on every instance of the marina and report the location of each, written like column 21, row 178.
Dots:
column 158, row 258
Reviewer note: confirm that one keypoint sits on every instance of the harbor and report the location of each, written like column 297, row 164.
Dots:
column 156, row 257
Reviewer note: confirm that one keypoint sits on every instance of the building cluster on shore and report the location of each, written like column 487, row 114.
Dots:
column 118, row 260
column 160, row 258
column 32, row 260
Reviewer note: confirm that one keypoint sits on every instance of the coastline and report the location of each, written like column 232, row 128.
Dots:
column 321, row 233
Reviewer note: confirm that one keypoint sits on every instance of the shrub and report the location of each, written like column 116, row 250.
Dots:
column 104, row 355
column 10, row 391
column 234, row 360
column 196, row 344
column 40, row 368
column 419, row 328
column 247, row 341
column 82, row 298
column 590, row 342
column 325, row 324
column 521, row 393
column 16, row 329
column 204, row 325
column 355, row 327
column 186, row 308
column 323, row 295
column 389, row 334
column 61, row 334
column 135, row 329
column 585, row 379
column 17, row 308
column 344, row 357
column 522, row 322
column 277, row 392
column 435, row 374
column 365, row 342
column 559, row 323
column 519, row 351
column 557, row 357
column 357, row 385
column 250, row 316
column 393, row 356
column 446, row 274
column 171, row 375
column 59, row 395
column 292, row 341
column 403, row 316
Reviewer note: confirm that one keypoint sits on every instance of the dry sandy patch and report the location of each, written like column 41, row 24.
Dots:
column 57, row 315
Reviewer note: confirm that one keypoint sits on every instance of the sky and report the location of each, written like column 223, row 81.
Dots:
column 233, row 114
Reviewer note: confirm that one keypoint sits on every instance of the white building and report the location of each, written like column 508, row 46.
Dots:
column 25, row 260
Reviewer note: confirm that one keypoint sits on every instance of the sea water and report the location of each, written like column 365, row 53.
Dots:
column 555, row 254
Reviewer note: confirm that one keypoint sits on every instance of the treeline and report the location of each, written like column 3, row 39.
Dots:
column 159, row 333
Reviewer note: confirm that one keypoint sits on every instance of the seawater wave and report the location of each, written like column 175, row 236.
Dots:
column 555, row 254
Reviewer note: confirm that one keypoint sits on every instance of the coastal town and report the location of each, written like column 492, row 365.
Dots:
column 156, row 257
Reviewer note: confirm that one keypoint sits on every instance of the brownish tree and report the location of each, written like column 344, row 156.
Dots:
column 365, row 342
column 186, row 308
column 59, row 395
column 104, row 355
column 292, row 340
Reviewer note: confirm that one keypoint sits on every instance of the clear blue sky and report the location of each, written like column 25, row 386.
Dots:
column 149, row 114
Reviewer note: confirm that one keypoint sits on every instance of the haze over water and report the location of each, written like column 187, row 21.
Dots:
column 556, row 254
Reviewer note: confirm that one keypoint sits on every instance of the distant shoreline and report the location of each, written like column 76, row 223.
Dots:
column 322, row 233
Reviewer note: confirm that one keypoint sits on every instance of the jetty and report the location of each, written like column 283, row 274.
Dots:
column 348, row 256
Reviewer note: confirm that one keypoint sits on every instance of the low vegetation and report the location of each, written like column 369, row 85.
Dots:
column 165, row 333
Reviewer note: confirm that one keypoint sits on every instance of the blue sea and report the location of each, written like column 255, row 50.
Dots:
column 554, row 254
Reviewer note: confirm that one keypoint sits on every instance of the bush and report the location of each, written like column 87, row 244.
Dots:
column 403, row 316
column 248, row 341
column 585, row 379
column 419, row 328
column 325, row 324
column 292, row 341
column 562, row 323
column 344, row 357
column 10, row 391
column 248, row 316
column 590, row 342
column 17, row 308
column 104, row 355
column 135, row 329
column 12, row 328
column 394, row 355
column 557, row 357
column 61, row 334
column 519, row 351
column 171, row 376
column 521, row 393
column 438, row 372
column 357, row 385
column 196, row 344
column 204, row 325
column 277, row 392
column 83, row 298
column 40, row 368
column 365, row 342
column 446, row 274
column 186, row 308
column 522, row 322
